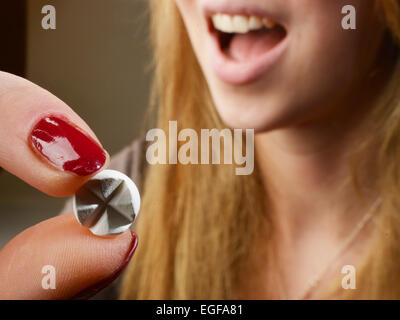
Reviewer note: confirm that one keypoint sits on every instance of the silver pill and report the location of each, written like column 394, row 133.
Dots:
column 107, row 204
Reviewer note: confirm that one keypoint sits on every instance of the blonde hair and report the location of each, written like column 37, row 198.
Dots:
column 199, row 224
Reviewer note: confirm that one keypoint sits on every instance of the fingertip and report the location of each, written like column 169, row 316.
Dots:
column 97, row 287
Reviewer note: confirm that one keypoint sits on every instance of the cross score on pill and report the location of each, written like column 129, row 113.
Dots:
column 108, row 204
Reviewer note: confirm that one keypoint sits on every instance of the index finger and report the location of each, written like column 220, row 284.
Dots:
column 43, row 141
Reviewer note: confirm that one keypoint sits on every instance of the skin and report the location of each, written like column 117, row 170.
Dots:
column 307, row 113
column 81, row 259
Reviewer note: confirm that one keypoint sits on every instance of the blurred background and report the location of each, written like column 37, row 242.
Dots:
column 97, row 61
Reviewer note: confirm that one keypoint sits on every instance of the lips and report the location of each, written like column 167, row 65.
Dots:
column 244, row 46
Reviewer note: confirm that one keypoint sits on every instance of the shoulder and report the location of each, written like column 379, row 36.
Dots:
column 131, row 160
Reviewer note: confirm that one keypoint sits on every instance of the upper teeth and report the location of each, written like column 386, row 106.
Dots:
column 240, row 24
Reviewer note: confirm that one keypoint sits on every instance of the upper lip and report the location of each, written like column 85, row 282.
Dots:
column 240, row 7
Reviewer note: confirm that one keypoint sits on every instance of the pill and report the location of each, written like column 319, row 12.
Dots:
column 107, row 204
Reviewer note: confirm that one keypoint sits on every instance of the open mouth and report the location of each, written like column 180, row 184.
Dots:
column 246, row 45
column 241, row 37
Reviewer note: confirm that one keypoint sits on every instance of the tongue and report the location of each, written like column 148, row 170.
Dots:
column 253, row 44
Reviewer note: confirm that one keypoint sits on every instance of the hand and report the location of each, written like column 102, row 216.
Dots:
column 46, row 160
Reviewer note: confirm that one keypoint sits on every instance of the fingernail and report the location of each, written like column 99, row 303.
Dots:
column 91, row 291
column 66, row 147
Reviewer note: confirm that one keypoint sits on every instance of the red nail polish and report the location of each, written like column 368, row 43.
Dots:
column 67, row 147
column 91, row 291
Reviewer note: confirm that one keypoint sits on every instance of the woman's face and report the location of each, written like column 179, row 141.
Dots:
column 263, row 76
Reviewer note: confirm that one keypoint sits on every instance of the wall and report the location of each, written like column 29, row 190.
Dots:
column 97, row 62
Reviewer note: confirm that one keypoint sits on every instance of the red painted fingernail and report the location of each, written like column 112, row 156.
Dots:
column 91, row 291
column 67, row 147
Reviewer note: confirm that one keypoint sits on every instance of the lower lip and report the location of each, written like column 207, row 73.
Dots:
column 242, row 73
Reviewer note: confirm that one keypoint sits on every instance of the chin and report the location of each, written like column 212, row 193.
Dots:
column 262, row 116
column 263, row 105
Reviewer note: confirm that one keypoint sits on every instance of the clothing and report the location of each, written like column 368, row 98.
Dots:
column 131, row 161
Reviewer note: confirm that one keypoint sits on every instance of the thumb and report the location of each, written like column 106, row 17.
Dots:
column 81, row 263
